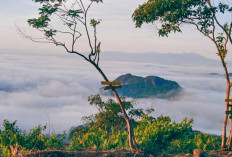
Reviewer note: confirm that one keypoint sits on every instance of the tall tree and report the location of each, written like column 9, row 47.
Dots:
column 211, row 18
column 59, row 18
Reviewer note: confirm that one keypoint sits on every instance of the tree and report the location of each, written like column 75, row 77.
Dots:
column 58, row 18
column 106, row 129
column 110, row 116
column 206, row 16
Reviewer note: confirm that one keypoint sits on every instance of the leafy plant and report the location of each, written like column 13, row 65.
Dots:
column 103, row 131
column 14, row 141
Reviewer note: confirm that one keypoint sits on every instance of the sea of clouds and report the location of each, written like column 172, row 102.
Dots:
column 52, row 89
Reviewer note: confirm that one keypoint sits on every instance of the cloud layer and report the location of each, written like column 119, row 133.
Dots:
column 46, row 89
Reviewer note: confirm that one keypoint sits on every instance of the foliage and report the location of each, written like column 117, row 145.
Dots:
column 110, row 115
column 13, row 140
column 55, row 141
column 99, row 139
column 106, row 129
column 194, row 140
column 172, row 14
column 10, row 137
column 154, row 135
column 59, row 17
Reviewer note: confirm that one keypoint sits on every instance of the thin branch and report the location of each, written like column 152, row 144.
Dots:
column 23, row 34
column 75, row 52
column 98, row 58
column 227, row 33
column 220, row 25
column 213, row 31
column 87, row 31
column 79, row 5
column 89, row 6
column 205, row 34
column 73, row 37
column 63, row 32
column 230, row 29
column 82, row 6
column 226, row 41
column 95, row 39
column 66, row 10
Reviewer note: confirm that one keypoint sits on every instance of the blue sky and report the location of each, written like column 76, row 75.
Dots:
column 116, row 32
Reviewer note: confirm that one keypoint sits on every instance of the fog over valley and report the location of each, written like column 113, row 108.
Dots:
column 52, row 89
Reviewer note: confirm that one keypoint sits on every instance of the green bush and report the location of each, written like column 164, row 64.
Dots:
column 157, row 135
column 98, row 139
column 194, row 140
column 106, row 130
column 13, row 140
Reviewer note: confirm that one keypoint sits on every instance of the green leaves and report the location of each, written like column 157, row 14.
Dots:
column 74, row 13
column 168, row 28
column 223, row 7
column 156, row 136
column 97, row 1
column 172, row 14
column 220, row 40
column 45, row 1
column 45, row 13
column 40, row 22
column 12, row 138
column 49, row 33
column 94, row 22
column 48, row 9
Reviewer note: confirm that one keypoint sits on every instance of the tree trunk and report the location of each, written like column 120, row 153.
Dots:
column 132, row 143
column 228, row 142
column 224, row 144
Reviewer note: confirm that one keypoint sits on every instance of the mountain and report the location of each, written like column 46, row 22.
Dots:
column 160, row 58
column 150, row 86
column 145, row 57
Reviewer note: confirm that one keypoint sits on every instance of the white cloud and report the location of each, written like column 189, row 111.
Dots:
column 36, row 88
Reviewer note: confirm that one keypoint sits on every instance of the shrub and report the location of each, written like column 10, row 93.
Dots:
column 13, row 140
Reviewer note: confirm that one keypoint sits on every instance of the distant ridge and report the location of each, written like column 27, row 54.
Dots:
column 148, row 57
column 164, row 58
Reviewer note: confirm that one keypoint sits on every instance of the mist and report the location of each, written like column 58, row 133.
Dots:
column 53, row 89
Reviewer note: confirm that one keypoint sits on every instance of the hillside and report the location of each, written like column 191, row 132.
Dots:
column 150, row 86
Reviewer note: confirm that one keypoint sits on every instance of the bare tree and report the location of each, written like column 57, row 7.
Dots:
column 59, row 18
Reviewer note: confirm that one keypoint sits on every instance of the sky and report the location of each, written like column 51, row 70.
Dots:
column 117, row 31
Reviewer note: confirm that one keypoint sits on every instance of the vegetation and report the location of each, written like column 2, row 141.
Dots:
column 209, row 17
column 103, row 131
column 150, row 86
column 14, row 141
